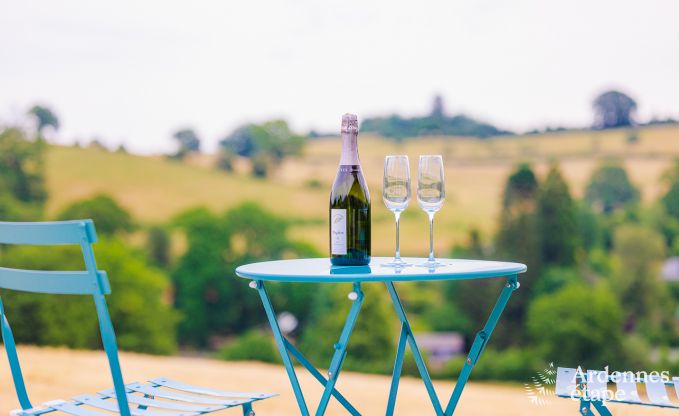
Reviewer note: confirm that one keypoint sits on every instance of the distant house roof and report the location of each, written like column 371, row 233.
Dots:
column 440, row 346
column 670, row 269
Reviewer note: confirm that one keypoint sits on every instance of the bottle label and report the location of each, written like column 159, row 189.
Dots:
column 338, row 231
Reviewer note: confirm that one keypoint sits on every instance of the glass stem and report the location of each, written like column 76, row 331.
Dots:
column 397, row 214
column 431, row 237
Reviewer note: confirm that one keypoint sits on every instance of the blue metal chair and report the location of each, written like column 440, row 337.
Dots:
column 167, row 397
column 592, row 390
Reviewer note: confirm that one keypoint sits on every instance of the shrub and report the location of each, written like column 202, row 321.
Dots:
column 143, row 321
column 253, row 345
column 512, row 364
column 577, row 325
column 108, row 216
column 371, row 347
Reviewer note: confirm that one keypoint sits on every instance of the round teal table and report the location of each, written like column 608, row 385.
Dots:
column 321, row 271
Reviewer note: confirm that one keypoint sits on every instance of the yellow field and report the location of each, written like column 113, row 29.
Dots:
column 155, row 189
column 59, row 373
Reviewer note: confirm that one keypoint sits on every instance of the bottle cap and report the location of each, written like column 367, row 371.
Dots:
column 349, row 123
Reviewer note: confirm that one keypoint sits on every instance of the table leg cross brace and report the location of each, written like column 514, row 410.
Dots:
column 286, row 348
column 475, row 351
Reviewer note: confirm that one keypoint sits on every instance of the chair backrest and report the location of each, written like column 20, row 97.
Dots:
column 91, row 281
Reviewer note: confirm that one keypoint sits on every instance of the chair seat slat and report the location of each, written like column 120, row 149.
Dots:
column 177, row 385
column 657, row 392
column 566, row 383
column 166, row 394
column 72, row 409
column 36, row 411
column 597, row 384
column 112, row 406
column 627, row 390
column 166, row 404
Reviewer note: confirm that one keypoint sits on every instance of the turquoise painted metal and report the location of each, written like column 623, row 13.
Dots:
column 321, row 271
column 179, row 399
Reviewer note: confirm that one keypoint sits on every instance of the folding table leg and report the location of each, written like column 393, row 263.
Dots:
column 398, row 366
column 280, row 342
column 419, row 361
column 480, row 342
column 341, row 349
column 286, row 348
column 318, row 376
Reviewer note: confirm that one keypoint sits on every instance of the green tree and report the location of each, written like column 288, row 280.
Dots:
column 577, row 325
column 467, row 302
column 22, row 176
column 44, row 117
column 670, row 200
column 109, row 217
column 521, row 190
column 266, row 145
column 556, row 220
column 435, row 123
column 212, row 299
column 554, row 278
column 613, row 109
column 187, row 142
column 638, row 252
column 143, row 319
column 371, row 346
column 158, row 243
column 518, row 239
column 610, row 189
column 590, row 233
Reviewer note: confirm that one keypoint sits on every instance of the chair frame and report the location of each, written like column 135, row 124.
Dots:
column 94, row 282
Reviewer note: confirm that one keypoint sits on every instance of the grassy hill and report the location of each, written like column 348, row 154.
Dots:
column 154, row 188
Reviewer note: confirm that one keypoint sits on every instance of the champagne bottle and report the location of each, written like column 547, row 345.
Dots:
column 349, row 204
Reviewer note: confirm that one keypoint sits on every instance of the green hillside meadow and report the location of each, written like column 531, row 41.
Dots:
column 154, row 189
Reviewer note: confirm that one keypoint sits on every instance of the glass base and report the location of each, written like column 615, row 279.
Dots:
column 397, row 263
column 431, row 264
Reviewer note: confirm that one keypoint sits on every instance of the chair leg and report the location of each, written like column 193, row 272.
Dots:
column 585, row 407
column 247, row 410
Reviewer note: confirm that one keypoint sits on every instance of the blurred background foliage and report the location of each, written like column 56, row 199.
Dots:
column 593, row 294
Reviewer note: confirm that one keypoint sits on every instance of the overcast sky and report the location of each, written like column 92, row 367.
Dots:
column 135, row 71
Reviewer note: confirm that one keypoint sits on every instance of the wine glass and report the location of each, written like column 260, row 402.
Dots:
column 431, row 192
column 396, row 194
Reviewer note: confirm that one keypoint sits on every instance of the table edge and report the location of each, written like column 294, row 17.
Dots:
column 348, row 278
